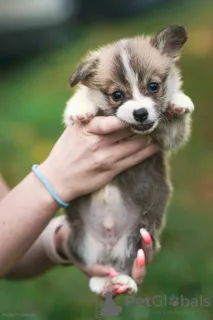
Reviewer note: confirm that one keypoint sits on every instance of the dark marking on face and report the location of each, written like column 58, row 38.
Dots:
column 120, row 73
column 147, row 69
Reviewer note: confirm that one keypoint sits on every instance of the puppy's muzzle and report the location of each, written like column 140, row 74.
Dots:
column 141, row 116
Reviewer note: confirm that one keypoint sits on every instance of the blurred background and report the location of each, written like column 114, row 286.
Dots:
column 41, row 42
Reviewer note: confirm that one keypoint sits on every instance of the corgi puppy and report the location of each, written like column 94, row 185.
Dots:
column 138, row 81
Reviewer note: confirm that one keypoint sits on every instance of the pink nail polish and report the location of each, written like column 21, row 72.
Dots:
column 146, row 236
column 140, row 258
column 122, row 289
column 113, row 274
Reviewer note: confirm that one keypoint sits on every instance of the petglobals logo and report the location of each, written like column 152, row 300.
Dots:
column 110, row 308
column 164, row 301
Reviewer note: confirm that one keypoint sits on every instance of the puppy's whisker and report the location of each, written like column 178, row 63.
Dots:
column 162, row 116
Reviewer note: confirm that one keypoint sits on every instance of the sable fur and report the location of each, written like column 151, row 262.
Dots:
column 105, row 225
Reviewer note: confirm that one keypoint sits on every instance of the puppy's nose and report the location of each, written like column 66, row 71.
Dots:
column 140, row 114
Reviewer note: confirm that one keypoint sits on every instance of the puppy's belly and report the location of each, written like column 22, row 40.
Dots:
column 108, row 222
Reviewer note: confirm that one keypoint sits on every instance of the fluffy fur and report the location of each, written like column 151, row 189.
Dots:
column 105, row 225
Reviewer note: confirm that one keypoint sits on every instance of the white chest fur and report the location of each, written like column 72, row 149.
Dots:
column 108, row 221
column 108, row 217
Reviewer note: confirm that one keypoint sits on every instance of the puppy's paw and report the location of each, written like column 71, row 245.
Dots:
column 99, row 284
column 78, row 115
column 78, row 111
column 126, row 284
column 81, row 117
column 181, row 104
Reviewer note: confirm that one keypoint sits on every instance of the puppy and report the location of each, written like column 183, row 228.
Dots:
column 137, row 80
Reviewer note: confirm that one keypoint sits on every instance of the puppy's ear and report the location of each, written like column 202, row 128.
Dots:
column 170, row 40
column 86, row 70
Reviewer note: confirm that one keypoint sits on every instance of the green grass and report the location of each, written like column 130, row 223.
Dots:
column 31, row 104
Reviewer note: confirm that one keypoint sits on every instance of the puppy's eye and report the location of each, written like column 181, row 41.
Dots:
column 153, row 87
column 118, row 96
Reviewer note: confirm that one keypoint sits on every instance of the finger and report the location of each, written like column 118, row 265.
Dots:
column 138, row 269
column 127, row 148
column 113, row 138
column 116, row 290
column 135, row 156
column 97, row 271
column 104, row 125
column 118, row 136
column 147, row 245
column 122, row 289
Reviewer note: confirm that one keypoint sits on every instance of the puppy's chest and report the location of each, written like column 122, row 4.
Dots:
column 108, row 215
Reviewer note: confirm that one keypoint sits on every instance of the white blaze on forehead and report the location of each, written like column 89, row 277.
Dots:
column 125, row 112
column 131, row 76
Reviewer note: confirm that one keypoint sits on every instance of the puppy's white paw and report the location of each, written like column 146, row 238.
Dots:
column 181, row 104
column 81, row 117
column 78, row 111
column 125, row 281
column 78, row 116
column 98, row 284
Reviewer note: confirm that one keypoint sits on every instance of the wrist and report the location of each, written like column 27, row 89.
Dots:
column 58, row 181
column 44, row 197
column 55, row 239
column 59, row 239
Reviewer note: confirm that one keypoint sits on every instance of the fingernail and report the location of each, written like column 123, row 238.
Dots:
column 146, row 236
column 140, row 258
column 122, row 289
column 113, row 274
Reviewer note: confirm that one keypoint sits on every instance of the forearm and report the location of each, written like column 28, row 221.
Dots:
column 48, row 251
column 34, row 263
column 79, row 155
column 22, row 219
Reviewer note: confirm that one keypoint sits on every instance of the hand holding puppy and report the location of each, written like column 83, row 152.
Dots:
column 144, row 257
column 101, row 151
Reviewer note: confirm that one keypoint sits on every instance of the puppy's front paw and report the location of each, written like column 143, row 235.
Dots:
column 181, row 104
column 78, row 111
column 78, row 115
column 81, row 117
column 126, row 283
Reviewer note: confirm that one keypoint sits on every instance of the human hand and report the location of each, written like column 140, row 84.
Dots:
column 144, row 256
column 86, row 157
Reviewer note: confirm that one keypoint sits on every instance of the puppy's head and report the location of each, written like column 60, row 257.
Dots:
column 134, row 78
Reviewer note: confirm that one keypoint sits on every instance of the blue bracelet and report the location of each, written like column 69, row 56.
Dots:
column 48, row 186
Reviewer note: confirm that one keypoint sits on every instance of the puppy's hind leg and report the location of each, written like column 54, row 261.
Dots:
column 122, row 282
column 125, row 284
column 123, row 256
column 99, row 285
